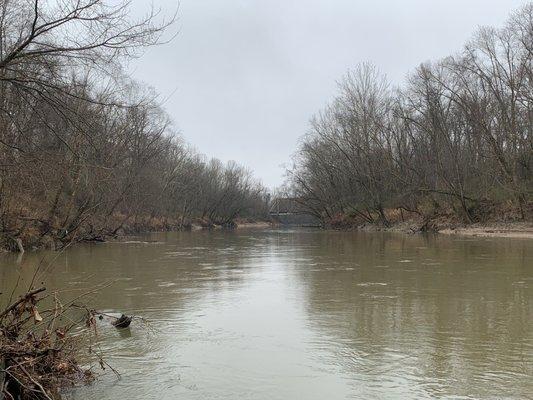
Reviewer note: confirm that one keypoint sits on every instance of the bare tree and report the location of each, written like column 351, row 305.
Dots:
column 456, row 138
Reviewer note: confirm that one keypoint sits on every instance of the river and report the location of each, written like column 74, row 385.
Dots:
column 306, row 314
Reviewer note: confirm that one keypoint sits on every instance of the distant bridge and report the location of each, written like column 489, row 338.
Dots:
column 287, row 211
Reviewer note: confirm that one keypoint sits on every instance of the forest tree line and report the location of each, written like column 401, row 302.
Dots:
column 86, row 152
column 456, row 139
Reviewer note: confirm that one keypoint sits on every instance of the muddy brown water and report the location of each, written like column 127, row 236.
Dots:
column 306, row 314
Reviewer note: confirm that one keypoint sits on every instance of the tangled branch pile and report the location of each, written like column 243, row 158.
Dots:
column 39, row 348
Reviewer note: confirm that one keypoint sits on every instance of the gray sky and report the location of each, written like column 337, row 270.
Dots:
column 244, row 77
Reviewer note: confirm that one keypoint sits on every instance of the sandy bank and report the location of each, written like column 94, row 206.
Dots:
column 519, row 230
column 255, row 225
column 444, row 224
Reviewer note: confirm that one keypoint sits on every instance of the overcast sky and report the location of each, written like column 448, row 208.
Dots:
column 243, row 77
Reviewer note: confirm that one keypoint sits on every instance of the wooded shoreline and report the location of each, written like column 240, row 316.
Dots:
column 86, row 152
column 453, row 143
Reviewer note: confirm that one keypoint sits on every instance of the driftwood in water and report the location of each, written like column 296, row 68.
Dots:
column 123, row 322
column 118, row 322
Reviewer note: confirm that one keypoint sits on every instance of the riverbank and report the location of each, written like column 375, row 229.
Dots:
column 254, row 225
column 122, row 228
column 238, row 224
column 522, row 230
column 518, row 230
column 169, row 225
column 411, row 223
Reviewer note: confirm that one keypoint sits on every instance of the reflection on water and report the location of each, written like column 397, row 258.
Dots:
column 307, row 314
